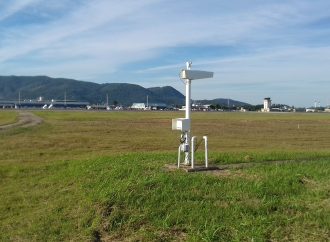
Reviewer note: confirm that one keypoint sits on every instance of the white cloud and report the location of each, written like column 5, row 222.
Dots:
column 275, row 40
column 10, row 8
column 290, row 74
column 88, row 17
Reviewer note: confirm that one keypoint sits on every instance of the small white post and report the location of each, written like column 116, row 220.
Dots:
column 193, row 152
column 179, row 155
column 206, row 158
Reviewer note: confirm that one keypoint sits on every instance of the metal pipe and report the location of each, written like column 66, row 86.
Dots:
column 188, row 98
column 206, row 154
column 179, row 155
column 193, row 152
column 188, row 110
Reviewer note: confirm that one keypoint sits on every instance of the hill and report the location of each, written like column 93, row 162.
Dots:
column 32, row 87
column 170, row 93
column 226, row 102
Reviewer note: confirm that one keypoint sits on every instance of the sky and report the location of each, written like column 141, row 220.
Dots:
column 256, row 48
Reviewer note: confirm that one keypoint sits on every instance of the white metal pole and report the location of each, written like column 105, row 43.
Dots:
column 179, row 156
column 187, row 135
column 188, row 95
column 206, row 154
column 193, row 152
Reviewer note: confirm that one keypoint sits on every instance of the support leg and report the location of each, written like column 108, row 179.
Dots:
column 193, row 152
column 206, row 153
column 179, row 156
column 187, row 149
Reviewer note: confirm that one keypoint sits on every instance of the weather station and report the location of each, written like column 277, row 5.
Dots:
column 188, row 143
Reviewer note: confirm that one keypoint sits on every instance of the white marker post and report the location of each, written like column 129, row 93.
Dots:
column 184, row 124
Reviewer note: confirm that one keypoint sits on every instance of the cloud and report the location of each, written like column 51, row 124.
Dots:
column 92, row 15
column 255, row 41
column 290, row 74
column 8, row 9
column 145, row 30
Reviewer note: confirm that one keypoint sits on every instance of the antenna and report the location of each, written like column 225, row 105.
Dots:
column 188, row 65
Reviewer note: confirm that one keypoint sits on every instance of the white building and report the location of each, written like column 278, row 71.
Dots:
column 138, row 106
column 267, row 104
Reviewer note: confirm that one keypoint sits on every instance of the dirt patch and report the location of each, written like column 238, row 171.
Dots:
column 233, row 174
column 25, row 120
column 231, row 170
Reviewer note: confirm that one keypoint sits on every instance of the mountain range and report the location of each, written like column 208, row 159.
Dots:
column 32, row 87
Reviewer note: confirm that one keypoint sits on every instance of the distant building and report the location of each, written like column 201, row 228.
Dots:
column 44, row 104
column 7, row 104
column 310, row 110
column 199, row 107
column 151, row 106
column 138, row 106
column 159, row 106
column 267, row 104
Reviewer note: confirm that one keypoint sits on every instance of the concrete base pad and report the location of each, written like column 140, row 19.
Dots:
column 197, row 168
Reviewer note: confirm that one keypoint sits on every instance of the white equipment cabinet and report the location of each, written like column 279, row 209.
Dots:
column 181, row 124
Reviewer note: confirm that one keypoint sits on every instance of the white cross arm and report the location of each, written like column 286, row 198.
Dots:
column 194, row 74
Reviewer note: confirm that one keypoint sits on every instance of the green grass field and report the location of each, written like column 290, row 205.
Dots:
column 7, row 117
column 101, row 176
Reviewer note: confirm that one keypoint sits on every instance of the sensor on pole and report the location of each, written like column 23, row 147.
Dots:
column 183, row 124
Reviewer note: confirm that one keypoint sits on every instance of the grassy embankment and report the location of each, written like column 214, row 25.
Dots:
column 89, row 176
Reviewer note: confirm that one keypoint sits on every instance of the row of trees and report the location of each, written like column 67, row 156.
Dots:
column 232, row 108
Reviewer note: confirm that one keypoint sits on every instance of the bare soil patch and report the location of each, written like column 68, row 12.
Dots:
column 25, row 119
column 227, row 169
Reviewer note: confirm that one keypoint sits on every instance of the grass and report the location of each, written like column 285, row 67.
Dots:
column 82, row 135
column 7, row 117
column 132, row 197
column 81, row 177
